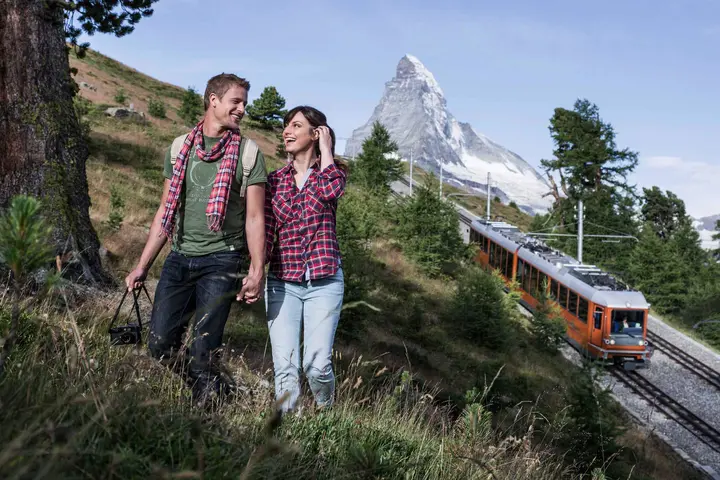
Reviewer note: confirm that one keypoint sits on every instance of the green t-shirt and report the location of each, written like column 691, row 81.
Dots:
column 192, row 236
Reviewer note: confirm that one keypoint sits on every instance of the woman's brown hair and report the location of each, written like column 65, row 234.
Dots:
column 316, row 119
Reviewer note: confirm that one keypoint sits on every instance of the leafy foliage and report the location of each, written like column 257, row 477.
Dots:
column 191, row 107
column 120, row 96
column 117, row 205
column 480, row 309
column 358, row 222
column 25, row 237
column 375, row 167
column 156, row 108
column 427, row 228
column 665, row 213
column 548, row 325
column 267, row 110
column 593, row 427
column 657, row 269
column 118, row 17
column 586, row 156
column 591, row 168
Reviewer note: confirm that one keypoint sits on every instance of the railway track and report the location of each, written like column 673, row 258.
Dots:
column 692, row 364
column 672, row 409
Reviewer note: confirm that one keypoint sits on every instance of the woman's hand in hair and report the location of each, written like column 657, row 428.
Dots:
column 325, row 140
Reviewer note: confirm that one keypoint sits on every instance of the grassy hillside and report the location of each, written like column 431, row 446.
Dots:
column 416, row 397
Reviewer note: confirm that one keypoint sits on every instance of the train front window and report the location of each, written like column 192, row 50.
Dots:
column 629, row 322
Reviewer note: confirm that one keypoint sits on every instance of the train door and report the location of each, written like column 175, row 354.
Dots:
column 597, row 321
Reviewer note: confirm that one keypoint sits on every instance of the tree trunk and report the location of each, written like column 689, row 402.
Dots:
column 42, row 150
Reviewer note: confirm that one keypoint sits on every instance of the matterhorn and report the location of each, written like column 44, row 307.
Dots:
column 414, row 110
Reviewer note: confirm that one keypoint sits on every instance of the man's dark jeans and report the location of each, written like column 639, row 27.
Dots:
column 205, row 286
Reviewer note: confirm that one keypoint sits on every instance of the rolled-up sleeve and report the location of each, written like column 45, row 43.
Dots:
column 331, row 183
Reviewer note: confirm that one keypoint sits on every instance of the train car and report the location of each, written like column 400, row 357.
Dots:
column 605, row 318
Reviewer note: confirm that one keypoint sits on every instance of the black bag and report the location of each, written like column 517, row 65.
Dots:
column 131, row 333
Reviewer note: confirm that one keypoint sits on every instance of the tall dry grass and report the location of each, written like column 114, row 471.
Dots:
column 75, row 407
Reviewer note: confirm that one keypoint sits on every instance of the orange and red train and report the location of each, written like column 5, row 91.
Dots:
column 605, row 318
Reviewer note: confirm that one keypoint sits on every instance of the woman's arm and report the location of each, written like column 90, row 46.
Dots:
column 331, row 178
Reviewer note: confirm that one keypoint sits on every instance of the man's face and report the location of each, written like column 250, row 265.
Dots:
column 230, row 109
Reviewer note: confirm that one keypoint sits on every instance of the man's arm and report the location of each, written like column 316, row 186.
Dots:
column 255, row 234
column 155, row 242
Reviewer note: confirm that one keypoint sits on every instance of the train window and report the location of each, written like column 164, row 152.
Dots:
column 553, row 289
column 573, row 303
column 520, row 267
column 627, row 321
column 532, row 285
column 563, row 296
column 509, row 265
column 492, row 254
column 526, row 280
column 483, row 244
column 598, row 317
column 583, row 310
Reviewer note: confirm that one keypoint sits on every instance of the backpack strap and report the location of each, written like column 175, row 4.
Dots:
column 249, row 158
column 176, row 146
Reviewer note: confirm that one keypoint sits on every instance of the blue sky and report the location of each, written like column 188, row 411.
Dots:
column 651, row 68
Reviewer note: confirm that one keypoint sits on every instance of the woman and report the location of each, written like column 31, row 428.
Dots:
column 305, row 286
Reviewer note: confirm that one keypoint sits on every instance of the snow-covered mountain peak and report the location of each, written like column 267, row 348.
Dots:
column 414, row 111
column 411, row 67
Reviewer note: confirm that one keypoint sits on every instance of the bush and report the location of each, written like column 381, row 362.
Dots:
column 593, row 426
column 192, row 107
column 548, row 327
column 156, row 108
column 480, row 309
column 121, row 96
column 117, row 205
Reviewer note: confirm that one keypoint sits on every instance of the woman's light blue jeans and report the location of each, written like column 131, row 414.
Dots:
column 311, row 308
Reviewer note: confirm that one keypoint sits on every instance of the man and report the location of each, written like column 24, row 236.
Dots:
column 212, row 208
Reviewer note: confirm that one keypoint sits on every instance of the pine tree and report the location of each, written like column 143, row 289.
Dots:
column 480, row 311
column 24, row 248
column 267, row 110
column 428, row 230
column 42, row 147
column 591, row 167
column 192, row 107
column 664, row 212
column 378, row 165
column 548, row 325
column 658, row 269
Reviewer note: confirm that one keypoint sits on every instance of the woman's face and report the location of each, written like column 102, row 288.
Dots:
column 298, row 135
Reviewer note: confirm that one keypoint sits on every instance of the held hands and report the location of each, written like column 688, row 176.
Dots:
column 251, row 291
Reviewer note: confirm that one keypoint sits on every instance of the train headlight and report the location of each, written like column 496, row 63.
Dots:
column 612, row 342
column 641, row 343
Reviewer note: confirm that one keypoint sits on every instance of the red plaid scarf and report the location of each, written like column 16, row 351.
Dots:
column 228, row 148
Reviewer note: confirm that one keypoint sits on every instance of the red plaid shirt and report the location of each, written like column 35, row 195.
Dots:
column 300, row 224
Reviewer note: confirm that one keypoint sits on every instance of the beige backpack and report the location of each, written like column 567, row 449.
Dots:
column 249, row 156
